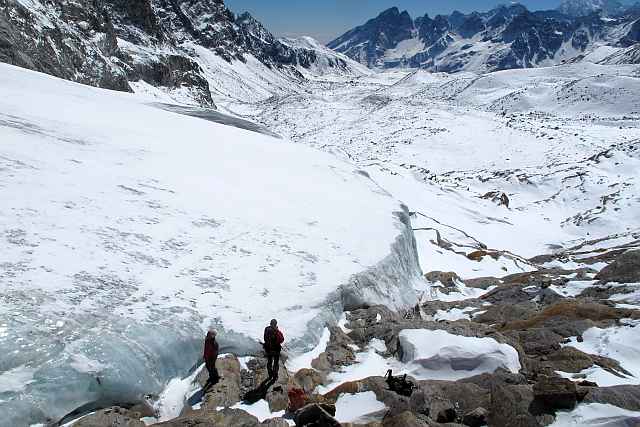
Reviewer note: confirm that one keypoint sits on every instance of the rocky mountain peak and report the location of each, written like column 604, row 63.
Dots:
column 367, row 42
column 509, row 36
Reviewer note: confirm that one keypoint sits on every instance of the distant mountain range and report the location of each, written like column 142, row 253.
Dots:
column 506, row 37
column 190, row 48
column 577, row 8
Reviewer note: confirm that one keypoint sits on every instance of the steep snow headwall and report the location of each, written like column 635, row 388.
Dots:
column 391, row 282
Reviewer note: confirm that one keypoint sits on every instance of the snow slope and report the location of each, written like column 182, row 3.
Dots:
column 128, row 229
column 561, row 142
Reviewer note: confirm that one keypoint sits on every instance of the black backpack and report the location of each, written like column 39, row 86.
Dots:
column 400, row 385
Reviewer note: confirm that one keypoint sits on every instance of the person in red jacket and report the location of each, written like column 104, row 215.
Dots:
column 273, row 339
column 211, row 349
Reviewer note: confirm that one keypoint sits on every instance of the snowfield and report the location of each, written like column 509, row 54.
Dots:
column 562, row 143
column 129, row 229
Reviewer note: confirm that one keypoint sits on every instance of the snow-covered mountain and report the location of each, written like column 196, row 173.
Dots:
column 578, row 8
column 188, row 49
column 504, row 38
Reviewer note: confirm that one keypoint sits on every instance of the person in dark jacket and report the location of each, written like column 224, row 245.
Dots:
column 273, row 339
column 211, row 349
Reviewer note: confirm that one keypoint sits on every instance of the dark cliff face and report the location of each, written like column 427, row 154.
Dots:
column 509, row 36
column 77, row 45
column 107, row 43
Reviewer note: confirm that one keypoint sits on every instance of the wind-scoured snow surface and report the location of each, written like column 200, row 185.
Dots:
column 128, row 229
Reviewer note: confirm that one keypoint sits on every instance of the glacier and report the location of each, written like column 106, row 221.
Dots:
column 130, row 229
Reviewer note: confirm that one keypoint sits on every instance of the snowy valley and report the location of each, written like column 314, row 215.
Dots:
column 478, row 231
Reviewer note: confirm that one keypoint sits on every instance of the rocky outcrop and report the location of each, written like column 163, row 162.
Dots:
column 110, row 43
column 623, row 396
column 111, row 417
column 75, row 41
column 339, row 352
column 551, row 394
column 625, row 269
column 226, row 392
column 224, row 418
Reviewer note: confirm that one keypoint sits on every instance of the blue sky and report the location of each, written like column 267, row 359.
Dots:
column 327, row 19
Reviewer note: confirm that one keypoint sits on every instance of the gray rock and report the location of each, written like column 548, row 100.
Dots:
column 112, row 417
column 508, row 294
column 308, row 379
column 539, row 341
column 510, row 406
column 625, row 269
column 476, row 418
column 448, row 279
column 498, row 197
column 227, row 392
column 553, row 393
column 275, row 422
column 444, row 400
column 499, row 377
column 277, row 393
column 315, row 415
column 406, row 419
column 622, row 396
column 338, row 353
column 482, row 282
column 498, row 314
column 225, row 418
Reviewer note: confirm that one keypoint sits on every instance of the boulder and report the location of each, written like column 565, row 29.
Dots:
column 448, row 278
column 500, row 377
column 111, row 417
column 476, row 418
column 625, row 269
column 443, row 411
column 539, row 341
column 497, row 314
column 482, row 282
column 508, row 294
column 570, row 359
column 554, row 393
column 227, row 392
column 498, row 197
column 406, row 419
column 275, row 422
column 510, row 406
column 622, row 396
column 315, row 415
column 338, row 353
column 308, row 379
column 225, row 418
column 480, row 254
column 256, row 380
column 443, row 401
